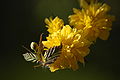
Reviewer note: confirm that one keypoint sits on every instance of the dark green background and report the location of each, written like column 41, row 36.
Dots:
column 23, row 22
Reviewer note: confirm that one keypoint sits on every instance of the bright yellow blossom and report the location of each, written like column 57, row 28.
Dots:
column 74, row 47
column 93, row 19
column 54, row 25
column 88, row 24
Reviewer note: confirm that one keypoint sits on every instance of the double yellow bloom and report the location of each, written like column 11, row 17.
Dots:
column 89, row 23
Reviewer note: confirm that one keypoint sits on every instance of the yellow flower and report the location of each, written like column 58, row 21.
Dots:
column 54, row 25
column 53, row 40
column 92, row 19
column 74, row 47
column 88, row 24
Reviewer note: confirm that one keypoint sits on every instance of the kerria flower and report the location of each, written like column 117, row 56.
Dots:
column 54, row 25
column 93, row 19
column 74, row 46
column 66, row 45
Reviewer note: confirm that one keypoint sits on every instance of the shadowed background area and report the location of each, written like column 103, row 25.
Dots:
column 23, row 22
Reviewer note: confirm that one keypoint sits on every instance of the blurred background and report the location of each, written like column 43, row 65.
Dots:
column 23, row 22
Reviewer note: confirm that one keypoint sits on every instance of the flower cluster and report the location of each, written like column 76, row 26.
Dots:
column 74, row 47
column 87, row 24
column 93, row 18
